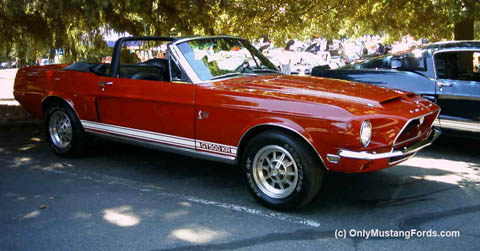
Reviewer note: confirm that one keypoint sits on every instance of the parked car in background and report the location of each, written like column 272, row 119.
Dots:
column 5, row 65
column 301, row 62
column 219, row 98
column 45, row 61
column 446, row 73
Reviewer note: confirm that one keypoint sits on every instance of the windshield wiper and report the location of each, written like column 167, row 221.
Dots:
column 231, row 74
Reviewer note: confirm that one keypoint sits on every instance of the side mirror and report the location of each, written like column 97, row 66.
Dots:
column 396, row 63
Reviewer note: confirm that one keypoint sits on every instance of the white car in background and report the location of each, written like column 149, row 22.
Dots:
column 302, row 62
column 5, row 65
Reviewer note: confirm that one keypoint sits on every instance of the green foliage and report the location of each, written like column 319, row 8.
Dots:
column 31, row 27
column 476, row 31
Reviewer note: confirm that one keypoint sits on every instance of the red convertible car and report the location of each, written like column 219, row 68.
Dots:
column 219, row 98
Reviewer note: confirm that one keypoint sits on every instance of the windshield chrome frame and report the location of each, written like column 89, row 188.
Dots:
column 175, row 52
column 187, row 67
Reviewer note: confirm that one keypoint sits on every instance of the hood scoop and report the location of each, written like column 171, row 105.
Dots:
column 397, row 98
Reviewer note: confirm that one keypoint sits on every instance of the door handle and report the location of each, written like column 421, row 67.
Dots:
column 444, row 84
column 102, row 83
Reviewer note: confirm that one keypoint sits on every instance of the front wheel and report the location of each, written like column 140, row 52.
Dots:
column 282, row 171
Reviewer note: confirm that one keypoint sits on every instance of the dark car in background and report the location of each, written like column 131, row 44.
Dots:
column 446, row 73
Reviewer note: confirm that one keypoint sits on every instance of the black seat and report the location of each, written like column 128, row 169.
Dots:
column 155, row 76
column 161, row 63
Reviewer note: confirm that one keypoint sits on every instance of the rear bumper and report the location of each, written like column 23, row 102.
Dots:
column 394, row 154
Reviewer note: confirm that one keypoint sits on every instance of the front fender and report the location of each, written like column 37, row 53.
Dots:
column 316, row 133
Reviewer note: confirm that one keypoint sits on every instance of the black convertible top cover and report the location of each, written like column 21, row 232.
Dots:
column 80, row 66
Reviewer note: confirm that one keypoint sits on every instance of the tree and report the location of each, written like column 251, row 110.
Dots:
column 31, row 27
column 433, row 19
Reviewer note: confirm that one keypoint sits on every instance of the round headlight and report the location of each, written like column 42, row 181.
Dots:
column 365, row 133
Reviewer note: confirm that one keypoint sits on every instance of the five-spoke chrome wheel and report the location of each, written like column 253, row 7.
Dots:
column 275, row 171
column 60, row 129
column 65, row 133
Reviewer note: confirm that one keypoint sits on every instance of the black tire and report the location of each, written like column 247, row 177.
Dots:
column 77, row 144
column 309, row 170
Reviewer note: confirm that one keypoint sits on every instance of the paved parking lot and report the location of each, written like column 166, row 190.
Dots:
column 128, row 198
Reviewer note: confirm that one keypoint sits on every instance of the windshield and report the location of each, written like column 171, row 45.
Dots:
column 214, row 58
column 413, row 60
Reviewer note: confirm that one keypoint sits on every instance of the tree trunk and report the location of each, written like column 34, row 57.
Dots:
column 464, row 29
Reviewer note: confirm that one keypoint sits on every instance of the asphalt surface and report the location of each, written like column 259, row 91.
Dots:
column 122, row 197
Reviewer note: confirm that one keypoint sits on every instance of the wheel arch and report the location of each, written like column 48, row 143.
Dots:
column 78, row 141
column 258, row 129
column 49, row 100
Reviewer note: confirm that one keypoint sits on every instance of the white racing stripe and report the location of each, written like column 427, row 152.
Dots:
column 130, row 132
column 161, row 138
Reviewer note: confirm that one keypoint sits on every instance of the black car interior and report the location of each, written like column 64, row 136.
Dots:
column 134, row 66
column 456, row 65
column 137, row 59
column 154, row 69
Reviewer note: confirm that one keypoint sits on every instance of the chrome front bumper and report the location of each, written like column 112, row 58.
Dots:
column 406, row 151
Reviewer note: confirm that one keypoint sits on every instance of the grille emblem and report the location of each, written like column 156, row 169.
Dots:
column 421, row 120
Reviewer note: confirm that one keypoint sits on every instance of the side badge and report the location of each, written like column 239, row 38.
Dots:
column 202, row 115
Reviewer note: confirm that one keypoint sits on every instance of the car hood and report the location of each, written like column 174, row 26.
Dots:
column 312, row 89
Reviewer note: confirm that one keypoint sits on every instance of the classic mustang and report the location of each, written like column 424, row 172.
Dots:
column 218, row 98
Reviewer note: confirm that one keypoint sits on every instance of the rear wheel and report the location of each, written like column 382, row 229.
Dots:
column 282, row 171
column 65, row 134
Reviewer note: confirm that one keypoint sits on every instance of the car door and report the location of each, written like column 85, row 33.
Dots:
column 144, row 104
column 458, row 89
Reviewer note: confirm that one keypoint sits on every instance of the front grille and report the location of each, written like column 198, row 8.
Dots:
column 412, row 130
column 415, row 129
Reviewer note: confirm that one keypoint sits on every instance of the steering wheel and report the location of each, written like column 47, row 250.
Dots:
column 243, row 66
